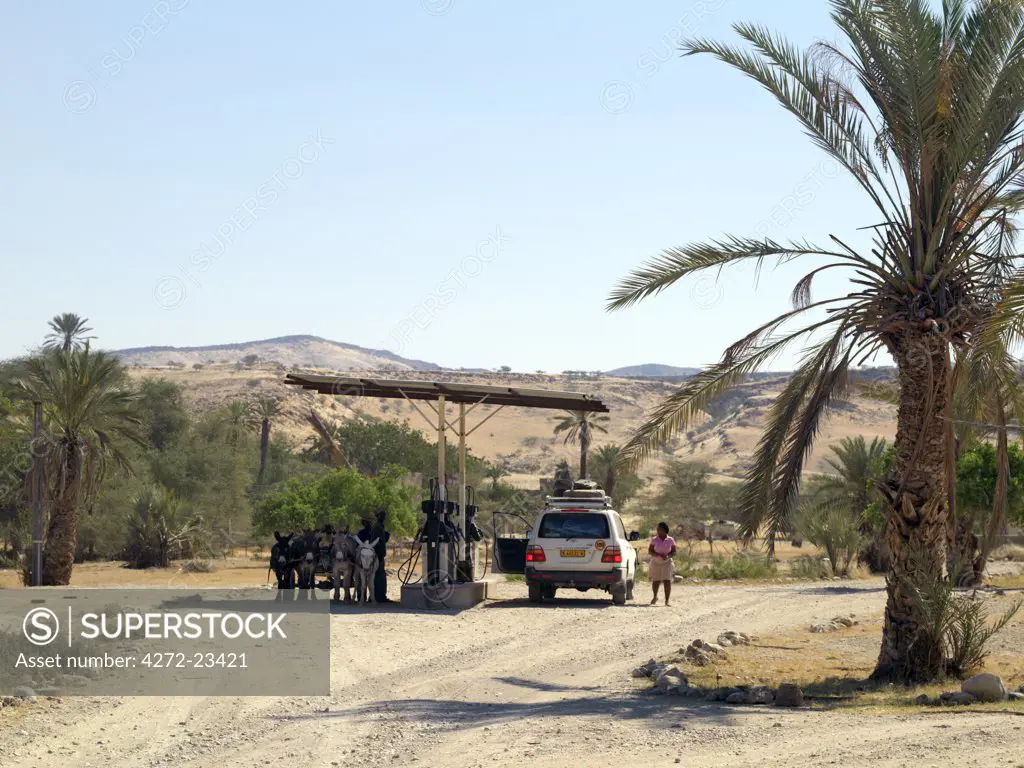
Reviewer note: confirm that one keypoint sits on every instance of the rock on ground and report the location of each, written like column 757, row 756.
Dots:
column 955, row 698
column 789, row 695
column 985, row 687
column 761, row 695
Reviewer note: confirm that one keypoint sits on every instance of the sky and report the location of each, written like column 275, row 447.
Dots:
column 456, row 181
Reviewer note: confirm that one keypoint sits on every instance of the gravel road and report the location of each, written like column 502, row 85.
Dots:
column 512, row 684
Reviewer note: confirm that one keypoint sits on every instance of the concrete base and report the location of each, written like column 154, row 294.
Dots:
column 453, row 597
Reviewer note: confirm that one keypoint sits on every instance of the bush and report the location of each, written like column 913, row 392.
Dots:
column 156, row 530
column 960, row 620
column 9, row 560
column 832, row 527
column 810, row 568
column 740, row 567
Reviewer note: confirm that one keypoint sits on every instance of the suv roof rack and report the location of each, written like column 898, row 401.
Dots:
column 581, row 498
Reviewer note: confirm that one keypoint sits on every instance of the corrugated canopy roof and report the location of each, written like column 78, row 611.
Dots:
column 453, row 393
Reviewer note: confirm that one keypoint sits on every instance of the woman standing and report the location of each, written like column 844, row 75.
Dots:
column 662, row 550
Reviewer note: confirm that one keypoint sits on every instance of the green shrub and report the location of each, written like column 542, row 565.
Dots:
column 961, row 621
column 832, row 527
column 810, row 568
column 740, row 567
column 8, row 560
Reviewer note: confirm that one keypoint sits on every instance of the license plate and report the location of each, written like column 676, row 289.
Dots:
column 574, row 553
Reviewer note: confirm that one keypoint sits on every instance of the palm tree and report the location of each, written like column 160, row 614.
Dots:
column 89, row 415
column 606, row 461
column 67, row 331
column 923, row 110
column 263, row 410
column 856, row 469
column 237, row 419
column 494, row 473
column 579, row 427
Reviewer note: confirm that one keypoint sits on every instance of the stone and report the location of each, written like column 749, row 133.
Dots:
column 789, row 695
column 724, row 641
column 985, row 687
column 760, row 695
column 1021, row 689
column 923, row 700
column 640, row 672
column 1015, row 696
column 736, row 698
column 10, row 701
column 845, row 621
column 670, row 680
column 25, row 693
column 957, row 698
column 720, row 694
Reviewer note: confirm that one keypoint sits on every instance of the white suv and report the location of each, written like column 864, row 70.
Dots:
column 578, row 541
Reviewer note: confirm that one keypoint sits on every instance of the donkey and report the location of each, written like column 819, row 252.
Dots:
column 365, row 567
column 343, row 560
column 305, row 550
column 281, row 561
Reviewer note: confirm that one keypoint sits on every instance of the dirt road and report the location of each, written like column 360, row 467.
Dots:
column 510, row 684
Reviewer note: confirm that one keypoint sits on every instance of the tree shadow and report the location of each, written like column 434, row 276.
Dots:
column 454, row 715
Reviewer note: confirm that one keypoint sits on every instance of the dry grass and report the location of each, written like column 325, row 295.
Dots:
column 833, row 668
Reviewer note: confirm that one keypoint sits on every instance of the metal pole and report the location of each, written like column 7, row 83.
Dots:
column 444, row 550
column 441, row 448
column 38, row 491
column 463, row 556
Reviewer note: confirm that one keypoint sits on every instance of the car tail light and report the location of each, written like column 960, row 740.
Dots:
column 612, row 555
column 535, row 554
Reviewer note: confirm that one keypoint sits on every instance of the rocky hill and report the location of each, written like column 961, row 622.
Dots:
column 303, row 351
column 523, row 438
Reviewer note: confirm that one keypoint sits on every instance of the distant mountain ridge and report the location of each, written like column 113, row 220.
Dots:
column 652, row 371
column 302, row 350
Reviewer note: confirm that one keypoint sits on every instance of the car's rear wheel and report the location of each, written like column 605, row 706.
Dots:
column 535, row 593
column 619, row 595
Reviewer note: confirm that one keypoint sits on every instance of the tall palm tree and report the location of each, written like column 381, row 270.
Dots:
column 89, row 416
column 494, row 473
column 263, row 410
column 606, row 461
column 67, row 331
column 579, row 427
column 923, row 110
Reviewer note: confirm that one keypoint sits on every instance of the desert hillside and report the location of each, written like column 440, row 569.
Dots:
column 311, row 351
column 523, row 437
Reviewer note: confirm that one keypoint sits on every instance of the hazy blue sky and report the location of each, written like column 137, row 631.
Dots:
column 570, row 134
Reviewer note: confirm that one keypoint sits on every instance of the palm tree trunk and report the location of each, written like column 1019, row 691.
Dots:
column 916, row 517
column 62, row 532
column 584, row 447
column 264, row 444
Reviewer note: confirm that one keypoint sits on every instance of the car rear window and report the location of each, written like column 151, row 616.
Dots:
column 574, row 525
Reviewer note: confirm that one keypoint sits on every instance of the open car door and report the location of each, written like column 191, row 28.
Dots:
column 511, row 533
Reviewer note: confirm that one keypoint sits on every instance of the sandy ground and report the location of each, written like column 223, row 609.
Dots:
column 511, row 684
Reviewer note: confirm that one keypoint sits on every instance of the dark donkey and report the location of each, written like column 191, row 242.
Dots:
column 281, row 562
column 306, row 552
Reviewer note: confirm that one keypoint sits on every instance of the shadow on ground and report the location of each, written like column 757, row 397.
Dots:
column 453, row 715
